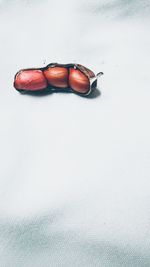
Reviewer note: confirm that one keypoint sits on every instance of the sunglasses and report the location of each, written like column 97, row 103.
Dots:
column 57, row 77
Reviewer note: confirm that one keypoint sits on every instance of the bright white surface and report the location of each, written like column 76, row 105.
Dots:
column 75, row 172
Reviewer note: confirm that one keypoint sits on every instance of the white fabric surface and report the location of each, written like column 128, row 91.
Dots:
column 74, row 171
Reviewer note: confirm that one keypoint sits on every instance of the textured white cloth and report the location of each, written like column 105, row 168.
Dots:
column 74, row 171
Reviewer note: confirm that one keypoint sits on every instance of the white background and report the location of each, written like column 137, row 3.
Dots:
column 74, row 171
